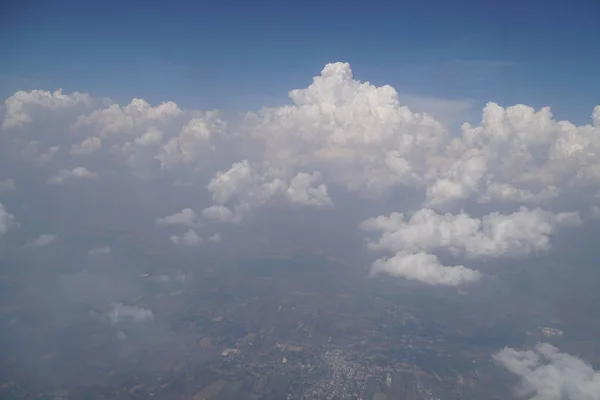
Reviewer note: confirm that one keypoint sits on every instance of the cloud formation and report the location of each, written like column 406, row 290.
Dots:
column 499, row 188
column 6, row 220
column 189, row 238
column 121, row 312
column 187, row 216
column 44, row 240
column 545, row 373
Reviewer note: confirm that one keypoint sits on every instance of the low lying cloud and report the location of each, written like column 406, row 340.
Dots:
column 121, row 312
column 545, row 373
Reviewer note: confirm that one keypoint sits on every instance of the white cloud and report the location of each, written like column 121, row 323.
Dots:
column 7, row 185
column 356, row 133
column 219, row 213
column 121, row 312
column 517, row 234
column 99, row 251
column 525, row 156
column 508, row 193
column 187, row 216
column 520, row 233
column 425, row 268
column 215, row 238
column 88, row 146
column 193, row 141
column 150, row 137
column 7, row 220
column 18, row 105
column 302, row 191
column 136, row 116
column 339, row 142
column 190, row 238
column 44, row 240
column 65, row 176
column 254, row 186
column 548, row 374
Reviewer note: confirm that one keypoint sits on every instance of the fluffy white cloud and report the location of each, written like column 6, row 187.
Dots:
column 356, row 133
column 66, row 176
column 517, row 154
column 193, row 141
column 44, row 240
column 19, row 104
column 189, row 238
column 6, row 220
column 338, row 137
column 425, row 268
column 135, row 117
column 302, row 190
column 250, row 187
column 220, row 213
column 121, row 312
column 520, row 233
column 548, row 374
column 517, row 234
column 187, row 216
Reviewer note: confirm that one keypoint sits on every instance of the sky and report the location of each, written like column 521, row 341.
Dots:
column 235, row 55
column 189, row 129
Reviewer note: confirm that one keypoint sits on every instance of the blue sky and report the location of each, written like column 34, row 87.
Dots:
column 238, row 56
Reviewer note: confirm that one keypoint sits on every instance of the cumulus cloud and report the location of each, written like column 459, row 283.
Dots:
column 220, row 213
column 193, row 141
column 517, row 234
column 189, row 238
column 548, row 374
column 187, row 216
column 517, row 154
column 302, row 190
column 425, row 268
column 248, row 187
column 66, row 176
column 356, row 133
column 339, row 141
column 19, row 104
